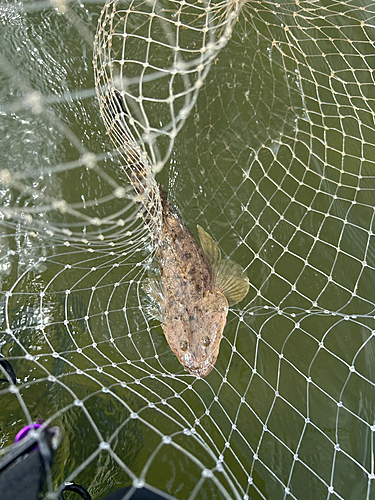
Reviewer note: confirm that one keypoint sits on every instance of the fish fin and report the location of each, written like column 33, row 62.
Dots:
column 231, row 280
column 154, row 289
column 153, row 286
column 154, row 312
column 209, row 247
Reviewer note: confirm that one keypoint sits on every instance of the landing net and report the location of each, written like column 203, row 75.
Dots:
column 258, row 119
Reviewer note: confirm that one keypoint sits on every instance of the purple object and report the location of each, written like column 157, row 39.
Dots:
column 24, row 432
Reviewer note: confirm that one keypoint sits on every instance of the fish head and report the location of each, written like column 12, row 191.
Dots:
column 194, row 333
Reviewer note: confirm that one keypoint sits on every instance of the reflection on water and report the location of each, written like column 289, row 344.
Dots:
column 262, row 164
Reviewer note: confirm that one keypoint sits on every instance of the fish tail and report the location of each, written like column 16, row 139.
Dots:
column 136, row 164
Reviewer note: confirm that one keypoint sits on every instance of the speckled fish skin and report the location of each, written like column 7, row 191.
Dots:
column 194, row 312
column 197, row 286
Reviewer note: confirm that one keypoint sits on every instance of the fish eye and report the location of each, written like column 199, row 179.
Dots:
column 206, row 341
column 184, row 345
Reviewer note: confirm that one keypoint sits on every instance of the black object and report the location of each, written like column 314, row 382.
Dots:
column 24, row 469
column 9, row 369
column 76, row 488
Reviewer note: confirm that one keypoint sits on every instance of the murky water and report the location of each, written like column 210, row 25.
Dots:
column 295, row 372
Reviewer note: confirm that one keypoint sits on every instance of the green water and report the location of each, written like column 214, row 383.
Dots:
column 260, row 164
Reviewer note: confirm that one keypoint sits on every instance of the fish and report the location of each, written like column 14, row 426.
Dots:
column 196, row 286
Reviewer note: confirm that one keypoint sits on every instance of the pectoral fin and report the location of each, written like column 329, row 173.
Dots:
column 154, row 289
column 209, row 247
column 232, row 281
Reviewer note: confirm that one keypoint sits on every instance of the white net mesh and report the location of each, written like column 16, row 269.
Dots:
column 263, row 127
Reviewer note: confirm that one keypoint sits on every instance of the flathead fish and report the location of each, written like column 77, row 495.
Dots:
column 196, row 286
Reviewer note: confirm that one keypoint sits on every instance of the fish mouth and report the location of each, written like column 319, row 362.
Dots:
column 199, row 370
column 200, row 367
